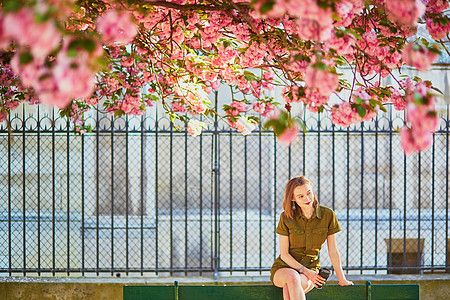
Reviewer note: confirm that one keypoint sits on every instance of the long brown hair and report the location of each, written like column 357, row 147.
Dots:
column 289, row 195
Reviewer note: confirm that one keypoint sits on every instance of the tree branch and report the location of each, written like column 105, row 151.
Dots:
column 250, row 23
column 191, row 7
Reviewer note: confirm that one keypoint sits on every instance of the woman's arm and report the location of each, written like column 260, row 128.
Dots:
column 287, row 258
column 336, row 260
column 285, row 255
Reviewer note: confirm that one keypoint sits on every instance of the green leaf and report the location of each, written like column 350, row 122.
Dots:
column 435, row 50
column 277, row 126
column 89, row 45
column 384, row 22
column 359, row 100
column 173, row 117
column 418, row 98
column 302, row 57
column 118, row 113
column 320, row 65
column 438, row 90
column 13, row 5
column 25, row 58
column 41, row 18
column 361, row 111
column 340, row 34
column 393, row 29
column 336, row 17
column 86, row 44
column 267, row 6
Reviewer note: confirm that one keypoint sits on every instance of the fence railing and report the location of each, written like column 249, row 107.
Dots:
column 137, row 196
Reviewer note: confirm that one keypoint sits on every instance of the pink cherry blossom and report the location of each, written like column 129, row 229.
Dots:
column 436, row 29
column 411, row 143
column 398, row 100
column 22, row 27
column 184, row 55
column 437, row 6
column 116, row 27
column 406, row 12
column 325, row 82
column 342, row 45
column 420, row 58
column 344, row 114
column 288, row 136
column 178, row 107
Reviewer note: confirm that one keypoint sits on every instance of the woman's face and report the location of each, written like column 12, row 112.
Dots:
column 304, row 196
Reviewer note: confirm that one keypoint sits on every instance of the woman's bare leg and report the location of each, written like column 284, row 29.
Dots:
column 294, row 285
column 286, row 293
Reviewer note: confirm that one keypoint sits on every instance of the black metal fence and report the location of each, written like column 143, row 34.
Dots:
column 137, row 196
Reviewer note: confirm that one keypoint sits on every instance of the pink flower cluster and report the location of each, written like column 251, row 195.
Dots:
column 263, row 107
column 398, row 100
column 437, row 30
column 423, row 119
column 178, row 107
column 437, row 6
column 314, row 99
column 236, row 108
column 343, row 45
column 347, row 11
column 116, row 27
column 346, row 113
column 378, row 57
column 418, row 56
column 406, row 12
column 288, row 136
column 56, row 81
column 323, row 81
column 242, row 125
column 253, row 56
column 313, row 22
column 41, row 38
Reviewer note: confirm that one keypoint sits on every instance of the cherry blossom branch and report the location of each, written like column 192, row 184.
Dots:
column 191, row 7
column 380, row 62
column 446, row 50
column 249, row 22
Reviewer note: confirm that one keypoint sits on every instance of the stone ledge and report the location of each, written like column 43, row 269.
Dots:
column 251, row 279
column 432, row 286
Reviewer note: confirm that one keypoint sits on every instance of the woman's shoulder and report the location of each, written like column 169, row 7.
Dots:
column 326, row 210
column 284, row 217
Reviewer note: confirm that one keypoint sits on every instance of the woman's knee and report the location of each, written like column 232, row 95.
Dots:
column 293, row 279
column 306, row 283
column 287, row 277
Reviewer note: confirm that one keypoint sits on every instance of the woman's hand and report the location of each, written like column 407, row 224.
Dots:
column 345, row 282
column 315, row 278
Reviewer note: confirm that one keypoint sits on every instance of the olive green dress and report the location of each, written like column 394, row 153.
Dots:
column 306, row 237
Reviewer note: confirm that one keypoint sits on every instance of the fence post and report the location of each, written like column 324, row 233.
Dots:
column 216, row 194
column 368, row 290
column 176, row 290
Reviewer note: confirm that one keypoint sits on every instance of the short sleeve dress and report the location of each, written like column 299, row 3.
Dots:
column 306, row 237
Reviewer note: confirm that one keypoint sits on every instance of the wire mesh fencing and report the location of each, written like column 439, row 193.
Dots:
column 138, row 196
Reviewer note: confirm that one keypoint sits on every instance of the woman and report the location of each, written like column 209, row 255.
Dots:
column 303, row 228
